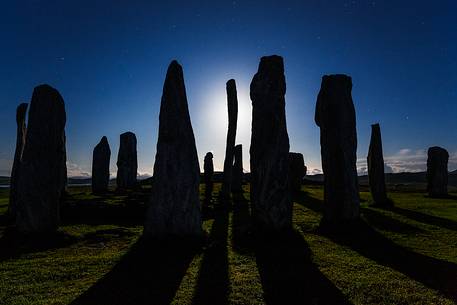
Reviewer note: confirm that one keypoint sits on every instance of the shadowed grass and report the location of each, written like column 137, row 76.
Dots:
column 403, row 255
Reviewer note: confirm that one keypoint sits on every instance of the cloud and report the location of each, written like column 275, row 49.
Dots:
column 74, row 170
column 5, row 166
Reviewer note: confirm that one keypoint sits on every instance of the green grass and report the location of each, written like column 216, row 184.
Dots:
column 405, row 255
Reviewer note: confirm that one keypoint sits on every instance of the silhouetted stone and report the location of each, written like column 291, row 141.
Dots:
column 297, row 171
column 232, row 106
column 174, row 208
column 127, row 164
column 437, row 173
column 335, row 115
column 209, row 171
column 100, row 166
column 41, row 179
column 237, row 171
column 270, row 194
column 375, row 161
column 21, row 112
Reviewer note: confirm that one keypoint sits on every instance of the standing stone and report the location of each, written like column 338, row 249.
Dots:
column 237, row 171
column 297, row 171
column 335, row 115
column 437, row 173
column 375, row 161
column 127, row 164
column 174, row 208
column 270, row 196
column 100, row 166
column 232, row 106
column 21, row 112
column 41, row 180
column 209, row 171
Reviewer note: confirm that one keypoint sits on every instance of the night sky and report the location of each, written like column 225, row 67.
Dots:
column 108, row 59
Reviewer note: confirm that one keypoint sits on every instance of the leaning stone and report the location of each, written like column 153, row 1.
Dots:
column 100, row 166
column 174, row 208
column 335, row 115
column 437, row 172
column 297, row 171
column 41, row 179
column 375, row 161
column 21, row 112
column 127, row 164
column 270, row 194
column 208, row 174
column 232, row 106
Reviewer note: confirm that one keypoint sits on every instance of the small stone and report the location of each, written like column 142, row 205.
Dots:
column 100, row 166
column 127, row 164
column 297, row 171
column 437, row 172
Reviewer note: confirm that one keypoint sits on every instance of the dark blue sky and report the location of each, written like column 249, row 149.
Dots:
column 108, row 60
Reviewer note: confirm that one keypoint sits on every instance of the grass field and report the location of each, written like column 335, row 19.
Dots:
column 406, row 255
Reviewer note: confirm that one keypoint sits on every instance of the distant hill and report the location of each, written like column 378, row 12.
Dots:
column 393, row 178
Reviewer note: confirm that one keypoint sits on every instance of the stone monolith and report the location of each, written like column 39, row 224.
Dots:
column 127, row 164
column 335, row 115
column 41, row 169
column 232, row 107
column 375, row 162
column 174, row 208
column 237, row 171
column 100, row 166
column 208, row 168
column 21, row 113
column 297, row 171
column 437, row 172
column 269, row 151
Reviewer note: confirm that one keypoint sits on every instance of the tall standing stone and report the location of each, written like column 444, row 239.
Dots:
column 232, row 106
column 335, row 115
column 437, row 173
column 237, row 171
column 297, row 171
column 375, row 161
column 269, row 151
column 174, row 208
column 127, row 164
column 21, row 112
column 41, row 181
column 100, row 166
column 208, row 168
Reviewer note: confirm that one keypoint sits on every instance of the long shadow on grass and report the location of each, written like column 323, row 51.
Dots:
column 286, row 270
column 434, row 273
column 14, row 244
column 241, row 225
column 427, row 219
column 288, row 274
column 213, row 278
column 150, row 273
column 111, row 208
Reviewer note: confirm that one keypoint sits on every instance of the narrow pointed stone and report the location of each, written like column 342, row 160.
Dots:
column 127, row 163
column 269, row 151
column 437, row 172
column 237, row 171
column 335, row 115
column 232, row 106
column 297, row 171
column 100, row 166
column 174, row 208
column 208, row 174
column 21, row 113
column 375, row 161
column 42, row 164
